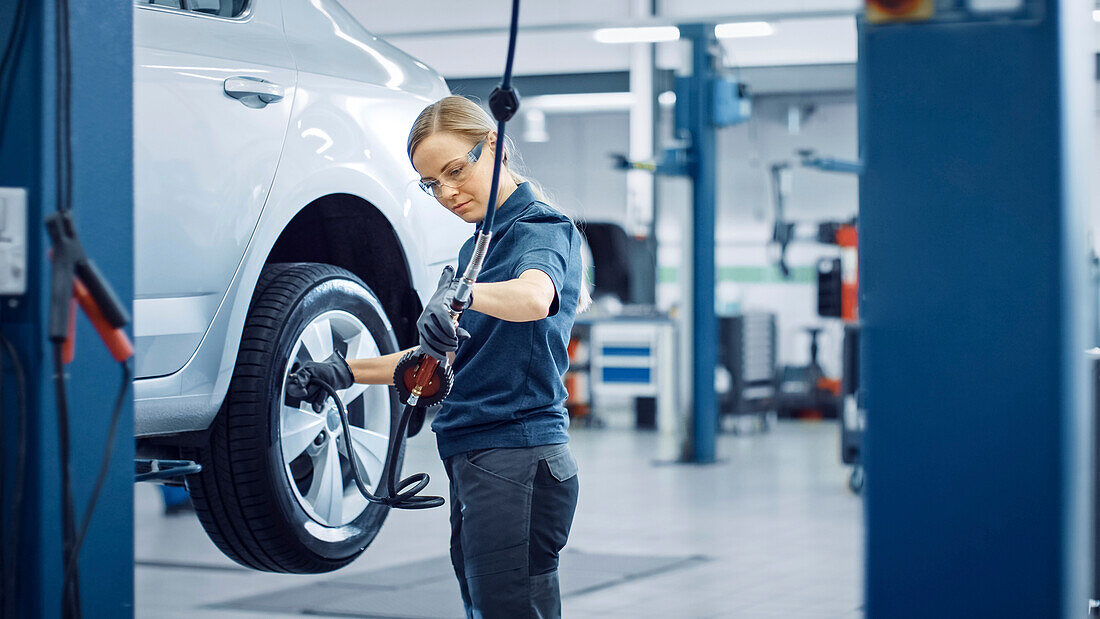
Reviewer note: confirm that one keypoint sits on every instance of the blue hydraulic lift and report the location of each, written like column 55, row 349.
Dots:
column 702, row 155
column 707, row 99
column 102, row 139
column 976, row 135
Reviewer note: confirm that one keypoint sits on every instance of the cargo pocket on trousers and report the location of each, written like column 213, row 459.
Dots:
column 553, row 504
column 507, row 465
column 562, row 465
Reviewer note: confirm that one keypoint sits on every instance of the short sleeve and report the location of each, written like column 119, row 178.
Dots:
column 544, row 245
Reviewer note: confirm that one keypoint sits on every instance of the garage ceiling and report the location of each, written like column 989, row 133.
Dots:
column 468, row 39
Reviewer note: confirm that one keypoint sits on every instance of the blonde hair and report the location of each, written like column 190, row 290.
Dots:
column 462, row 117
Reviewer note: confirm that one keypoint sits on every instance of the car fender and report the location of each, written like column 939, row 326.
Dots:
column 345, row 136
column 190, row 398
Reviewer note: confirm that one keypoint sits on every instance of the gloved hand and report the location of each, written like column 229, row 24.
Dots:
column 438, row 334
column 334, row 371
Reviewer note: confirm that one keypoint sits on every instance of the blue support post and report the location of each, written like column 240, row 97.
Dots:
column 976, row 133
column 102, row 53
column 702, row 164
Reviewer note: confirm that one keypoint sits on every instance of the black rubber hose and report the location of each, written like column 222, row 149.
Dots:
column 505, row 85
column 14, row 537
column 513, row 28
column 70, row 593
column 400, row 494
column 101, row 478
column 10, row 62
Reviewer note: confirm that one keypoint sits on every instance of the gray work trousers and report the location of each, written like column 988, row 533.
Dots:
column 511, row 510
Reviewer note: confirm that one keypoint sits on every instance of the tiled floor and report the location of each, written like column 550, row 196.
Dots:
column 782, row 535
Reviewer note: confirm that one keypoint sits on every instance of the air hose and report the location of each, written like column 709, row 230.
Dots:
column 420, row 380
column 398, row 494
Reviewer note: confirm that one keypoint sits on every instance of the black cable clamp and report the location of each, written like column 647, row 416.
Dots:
column 69, row 261
column 504, row 103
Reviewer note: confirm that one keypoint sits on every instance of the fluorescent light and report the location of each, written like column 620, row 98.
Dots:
column 1096, row 15
column 644, row 34
column 580, row 102
column 743, row 29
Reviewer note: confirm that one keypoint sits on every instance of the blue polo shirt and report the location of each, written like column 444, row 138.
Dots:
column 508, row 389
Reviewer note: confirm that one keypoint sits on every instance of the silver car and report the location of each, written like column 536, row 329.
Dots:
column 277, row 220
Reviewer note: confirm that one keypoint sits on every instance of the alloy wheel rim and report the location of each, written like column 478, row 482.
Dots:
column 315, row 459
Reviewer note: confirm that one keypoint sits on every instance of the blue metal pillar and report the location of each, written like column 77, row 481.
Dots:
column 976, row 136
column 102, row 53
column 702, row 156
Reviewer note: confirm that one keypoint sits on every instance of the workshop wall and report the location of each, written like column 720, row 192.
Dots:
column 575, row 163
column 575, row 167
column 748, row 279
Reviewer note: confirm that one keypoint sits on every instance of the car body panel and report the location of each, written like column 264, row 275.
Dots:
column 354, row 54
column 203, row 167
column 326, row 40
column 345, row 136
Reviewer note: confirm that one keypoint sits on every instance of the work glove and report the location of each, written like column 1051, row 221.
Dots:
column 334, row 371
column 438, row 334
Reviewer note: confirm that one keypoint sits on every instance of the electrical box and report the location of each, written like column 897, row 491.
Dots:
column 732, row 104
column 13, row 241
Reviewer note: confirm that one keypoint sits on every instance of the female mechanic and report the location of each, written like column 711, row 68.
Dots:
column 502, row 430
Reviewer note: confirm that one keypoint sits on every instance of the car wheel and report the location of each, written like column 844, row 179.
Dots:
column 276, row 491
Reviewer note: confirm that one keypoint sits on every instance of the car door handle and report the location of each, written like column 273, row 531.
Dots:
column 253, row 91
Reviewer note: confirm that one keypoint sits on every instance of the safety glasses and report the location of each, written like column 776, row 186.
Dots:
column 455, row 175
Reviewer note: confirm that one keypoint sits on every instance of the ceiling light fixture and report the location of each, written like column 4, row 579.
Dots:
column 643, row 34
column 580, row 102
column 743, row 29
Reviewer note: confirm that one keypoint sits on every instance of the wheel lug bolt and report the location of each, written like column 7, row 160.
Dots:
column 320, row 439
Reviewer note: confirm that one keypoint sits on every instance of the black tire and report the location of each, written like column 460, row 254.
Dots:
column 243, row 496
